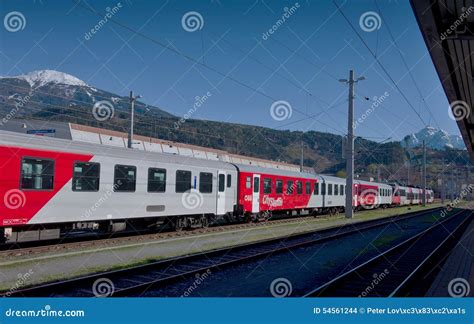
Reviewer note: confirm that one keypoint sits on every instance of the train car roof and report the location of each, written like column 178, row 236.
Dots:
column 373, row 183
column 275, row 171
column 57, row 144
column 332, row 178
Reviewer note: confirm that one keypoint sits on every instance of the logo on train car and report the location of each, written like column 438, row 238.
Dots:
column 369, row 199
column 272, row 202
column 15, row 221
column 248, row 198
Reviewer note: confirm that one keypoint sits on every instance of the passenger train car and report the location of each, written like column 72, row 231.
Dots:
column 52, row 186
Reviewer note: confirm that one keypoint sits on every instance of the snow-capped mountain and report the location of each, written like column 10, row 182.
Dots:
column 52, row 93
column 40, row 78
column 437, row 139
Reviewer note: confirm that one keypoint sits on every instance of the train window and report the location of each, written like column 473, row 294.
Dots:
column 229, row 180
column 289, row 187
column 205, row 182
column 336, row 190
column 37, row 174
column 183, row 181
column 267, row 185
column 125, row 178
column 299, row 187
column 341, row 190
column 256, row 184
column 308, row 188
column 248, row 183
column 279, row 187
column 329, row 189
column 156, row 180
column 86, row 176
column 221, row 182
column 316, row 188
column 323, row 188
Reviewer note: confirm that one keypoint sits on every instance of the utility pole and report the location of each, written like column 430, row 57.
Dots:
column 132, row 113
column 350, row 144
column 378, row 173
column 302, row 156
column 424, row 175
column 408, row 172
column 443, row 184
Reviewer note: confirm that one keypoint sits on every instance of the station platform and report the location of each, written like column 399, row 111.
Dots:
column 456, row 278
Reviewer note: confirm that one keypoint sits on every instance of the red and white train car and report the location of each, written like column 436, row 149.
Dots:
column 51, row 186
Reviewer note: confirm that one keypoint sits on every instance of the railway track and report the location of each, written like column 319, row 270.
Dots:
column 401, row 270
column 83, row 242
column 72, row 243
column 136, row 279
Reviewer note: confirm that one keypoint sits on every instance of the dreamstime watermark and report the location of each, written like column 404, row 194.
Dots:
column 287, row 13
column 377, row 101
column 20, row 103
column 370, row 21
column 377, row 278
column 14, row 21
column 457, row 200
column 192, row 199
column 459, row 110
column 281, row 110
column 47, row 311
column 369, row 199
column 459, row 287
column 281, row 287
column 199, row 101
column 199, row 279
column 20, row 282
column 457, row 23
column 102, row 199
column 192, row 21
column 110, row 12
column 103, row 287
column 14, row 199
column 103, row 110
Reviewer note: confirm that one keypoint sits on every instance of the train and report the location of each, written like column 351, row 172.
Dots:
column 51, row 187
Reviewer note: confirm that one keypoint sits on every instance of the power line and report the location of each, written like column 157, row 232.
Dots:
column 303, row 58
column 187, row 57
column 378, row 62
column 405, row 63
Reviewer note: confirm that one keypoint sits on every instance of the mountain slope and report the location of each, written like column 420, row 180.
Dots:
column 437, row 139
column 51, row 93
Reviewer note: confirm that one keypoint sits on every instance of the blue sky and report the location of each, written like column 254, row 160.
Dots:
column 299, row 63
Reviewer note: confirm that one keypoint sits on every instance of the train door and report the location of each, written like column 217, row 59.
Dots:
column 256, row 194
column 221, row 195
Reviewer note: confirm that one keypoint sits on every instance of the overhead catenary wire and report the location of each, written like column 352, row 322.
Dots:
column 379, row 62
column 195, row 61
column 387, row 26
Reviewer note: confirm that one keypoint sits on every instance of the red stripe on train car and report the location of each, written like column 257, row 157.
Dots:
column 18, row 206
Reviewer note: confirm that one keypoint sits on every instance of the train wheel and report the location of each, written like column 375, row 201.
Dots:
column 179, row 224
column 205, row 221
